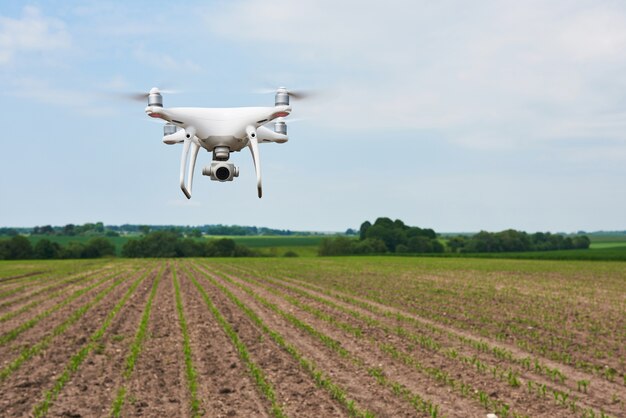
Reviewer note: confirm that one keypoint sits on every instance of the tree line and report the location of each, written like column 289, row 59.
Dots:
column 154, row 244
column 387, row 236
column 99, row 229
column 511, row 240
column 173, row 244
column 19, row 247
column 384, row 236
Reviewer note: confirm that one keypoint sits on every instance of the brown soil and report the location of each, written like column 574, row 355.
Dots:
column 602, row 397
column 294, row 390
column 158, row 386
column 24, row 388
column 226, row 388
column 47, row 324
column 35, row 297
column 378, row 399
column 19, row 276
column 92, row 389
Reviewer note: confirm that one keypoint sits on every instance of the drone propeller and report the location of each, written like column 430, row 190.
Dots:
column 295, row 94
column 142, row 97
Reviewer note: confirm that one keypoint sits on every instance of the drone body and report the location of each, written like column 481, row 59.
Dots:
column 220, row 131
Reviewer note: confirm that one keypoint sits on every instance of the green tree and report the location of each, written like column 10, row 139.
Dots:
column 46, row 249
column 98, row 247
column 19, row 248
column 363, row 230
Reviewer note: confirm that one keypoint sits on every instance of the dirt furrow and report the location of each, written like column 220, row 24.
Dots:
column 90, row 392
column 52, row 315
column 601, row 398
column 51, row 294
column 35, row 283
column 372, row 357
column 24, row 386
column 224, row 386
column 475, row 366
column 295, row 391
column 157, row 387
column 354, row 378
column 19, row 276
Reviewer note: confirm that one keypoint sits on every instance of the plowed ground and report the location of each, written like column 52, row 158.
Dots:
column 252, row 342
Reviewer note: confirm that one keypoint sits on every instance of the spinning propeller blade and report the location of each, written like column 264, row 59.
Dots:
column 295, row 94
column 142, row 97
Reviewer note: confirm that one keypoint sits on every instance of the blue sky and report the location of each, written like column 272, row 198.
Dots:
column 452, row 115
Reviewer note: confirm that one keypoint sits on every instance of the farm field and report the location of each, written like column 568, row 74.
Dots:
column 303, row 337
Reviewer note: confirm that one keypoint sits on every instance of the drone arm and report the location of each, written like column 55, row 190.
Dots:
column 253, row 144
column 267, row 135
column 189, row 134
column 175, row 138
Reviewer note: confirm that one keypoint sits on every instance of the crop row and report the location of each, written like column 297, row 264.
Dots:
column 418, row 401
column 136, row 347
column 28, row 352
column 255, row 371
column 47, row 292
column 508, row 375
column 320, row 378
column 466, row 389
column 528, row 362
column 79, row 357
column 15, row 332
column 530, row 308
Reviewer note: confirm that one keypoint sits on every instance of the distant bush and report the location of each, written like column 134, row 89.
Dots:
column 290, row 254
column 511, row 240
column 19, row 248
column 16, row 248
column 384, row 236
column 161, row 244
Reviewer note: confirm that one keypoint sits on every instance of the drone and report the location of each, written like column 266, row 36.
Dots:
column 220, row 131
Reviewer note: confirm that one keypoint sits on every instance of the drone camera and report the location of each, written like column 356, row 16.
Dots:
column 221, row 171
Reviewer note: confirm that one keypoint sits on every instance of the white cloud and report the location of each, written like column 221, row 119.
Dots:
column 39, row 90
column 32, row 33
column 488, row 74
column 165, row 61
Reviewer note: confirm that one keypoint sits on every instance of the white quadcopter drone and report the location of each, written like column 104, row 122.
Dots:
column 222, row 131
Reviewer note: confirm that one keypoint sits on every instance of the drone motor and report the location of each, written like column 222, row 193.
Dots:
column 155, row 98
column 282, row 97
column 280, row 127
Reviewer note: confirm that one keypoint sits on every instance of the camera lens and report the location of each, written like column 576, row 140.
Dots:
column 222, row 173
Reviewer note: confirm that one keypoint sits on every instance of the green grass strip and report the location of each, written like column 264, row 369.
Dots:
column 77, row 359
column 320, row 378
column 15, row 332
column 257, row 373
column 28, row 352
column 189, row 369
column 136, row 347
